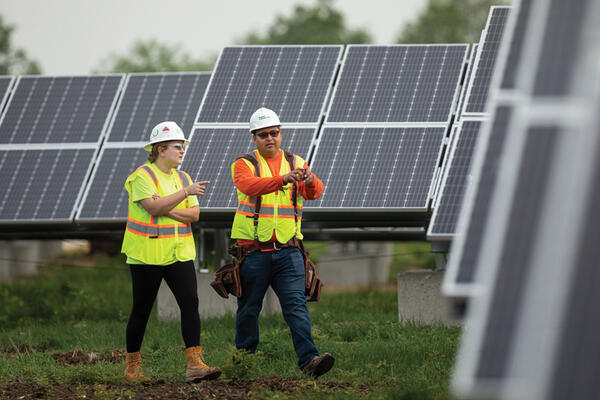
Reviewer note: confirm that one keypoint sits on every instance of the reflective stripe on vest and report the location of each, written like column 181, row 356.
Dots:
column 152, row 229
column 276, row 211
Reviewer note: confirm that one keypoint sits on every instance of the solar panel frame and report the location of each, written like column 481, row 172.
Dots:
column 186, row 126
column 335, row 94
column 423, row 206
column 214, row 76
column 106, row 121
column 489, row 46
column 455, row 168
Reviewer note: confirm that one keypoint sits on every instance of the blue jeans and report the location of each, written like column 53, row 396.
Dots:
column 284, row 271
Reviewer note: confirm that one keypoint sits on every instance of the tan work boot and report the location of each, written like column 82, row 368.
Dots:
column 133, row 369
column 197, row 370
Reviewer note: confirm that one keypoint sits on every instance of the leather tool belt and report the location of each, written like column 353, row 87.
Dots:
column 227, row 278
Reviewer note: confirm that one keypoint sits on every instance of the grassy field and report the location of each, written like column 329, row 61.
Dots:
column 62, row 334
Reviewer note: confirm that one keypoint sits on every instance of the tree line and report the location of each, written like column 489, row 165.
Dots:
column 442, row 21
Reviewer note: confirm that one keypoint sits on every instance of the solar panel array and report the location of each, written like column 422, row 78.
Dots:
column 449, row 200
column 530, row 333
column 400, row 101
column 147, row 100
column 49, row 134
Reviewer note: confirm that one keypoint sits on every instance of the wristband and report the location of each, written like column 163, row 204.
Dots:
column 185, row 192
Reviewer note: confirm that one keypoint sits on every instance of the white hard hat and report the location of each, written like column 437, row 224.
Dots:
column 164, row 132
column 263, row 118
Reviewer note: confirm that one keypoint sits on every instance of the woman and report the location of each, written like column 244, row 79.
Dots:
column 159, row 245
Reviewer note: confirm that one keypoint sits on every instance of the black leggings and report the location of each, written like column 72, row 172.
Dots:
column 145, row 279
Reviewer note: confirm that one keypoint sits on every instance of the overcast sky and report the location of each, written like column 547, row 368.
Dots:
column 73, row 36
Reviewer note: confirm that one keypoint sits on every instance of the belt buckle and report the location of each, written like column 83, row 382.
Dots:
column 275, row 246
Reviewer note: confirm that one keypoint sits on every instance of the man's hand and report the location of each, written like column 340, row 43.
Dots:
column 296, row 175
column 197, row 188
column 308, row 177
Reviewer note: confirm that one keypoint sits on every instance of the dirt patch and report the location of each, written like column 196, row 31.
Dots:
column 20, row 350
column 77, row 357
column 220, row 389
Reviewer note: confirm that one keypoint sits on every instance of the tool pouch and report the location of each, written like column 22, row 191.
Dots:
column 227, row 278
column 312, row 283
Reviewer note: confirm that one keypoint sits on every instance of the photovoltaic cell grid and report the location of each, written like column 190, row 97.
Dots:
column 516, row 44
column 149, row 99
column 41, row 185
column 397, row 84
column 445, row 217
column 291, row 80
column 466, row 82
column 512, row 268
column 478, row 215
column 106, row 197
column 213, row 150
column 377, row 167
column 488, row 52
column 59, row 109
column 560, row 47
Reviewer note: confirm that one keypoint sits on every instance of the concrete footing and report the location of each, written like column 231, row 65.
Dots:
column 210, row 304
column 21, row 257
column 420, row 298
column 356, row 263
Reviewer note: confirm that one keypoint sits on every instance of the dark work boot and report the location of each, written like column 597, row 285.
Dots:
column 319, row 365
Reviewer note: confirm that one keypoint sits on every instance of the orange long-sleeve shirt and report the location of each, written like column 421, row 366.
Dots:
column 247, row 183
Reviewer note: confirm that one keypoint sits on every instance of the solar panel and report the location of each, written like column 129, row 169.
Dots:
column 486, row 60
column 41, row 185
column 70, row 109
column 517, row 37
column 373, row 167
column 560, row 47
column 484, row 356
column 294, row 81
column 148, row 99
column 106, row 197
column 213, row 150
column 444, row 219
column 466, row 83
column 474, row 214
column 397, row 84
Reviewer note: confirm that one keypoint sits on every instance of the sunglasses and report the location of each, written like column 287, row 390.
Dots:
column 177, row 146
column 264, row 135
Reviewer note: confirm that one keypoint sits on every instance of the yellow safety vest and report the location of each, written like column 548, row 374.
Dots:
column 157, row 240
column 276, row 208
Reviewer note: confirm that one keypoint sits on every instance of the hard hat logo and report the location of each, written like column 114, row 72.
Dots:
column 165, row 132
column 263, row 118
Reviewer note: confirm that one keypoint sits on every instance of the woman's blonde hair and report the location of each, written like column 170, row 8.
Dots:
column 156, row 147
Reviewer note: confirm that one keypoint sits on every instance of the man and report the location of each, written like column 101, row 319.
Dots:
column 271, row 235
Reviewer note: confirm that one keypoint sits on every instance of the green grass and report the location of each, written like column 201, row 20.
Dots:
column 87, row 308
